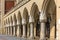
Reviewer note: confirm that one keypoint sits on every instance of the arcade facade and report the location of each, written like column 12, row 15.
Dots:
column 31, row 19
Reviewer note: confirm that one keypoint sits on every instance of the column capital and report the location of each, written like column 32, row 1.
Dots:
column 31, row 19
column 19, row 22
column 14, row 23
column 11, row 24
column 24, row 21
column 7, row 25
column 43, row 17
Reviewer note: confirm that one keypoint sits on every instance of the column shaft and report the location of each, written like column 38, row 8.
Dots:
column 19, row 30
column 8, row 30
column 31, row 30
column 28, row 31
column 42, row 33
column 24, row 30
column 34, row 29
column 13, row 31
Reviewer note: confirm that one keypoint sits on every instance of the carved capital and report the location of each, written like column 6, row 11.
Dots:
column 14, row 23
column 11, row 24
column 24, row 21
column 43, row 17
column 31, row 19
column 18, row 22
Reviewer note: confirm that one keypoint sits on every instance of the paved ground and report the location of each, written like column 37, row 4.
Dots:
column 7, row 37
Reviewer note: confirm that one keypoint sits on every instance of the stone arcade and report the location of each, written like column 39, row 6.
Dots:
column 30, row 19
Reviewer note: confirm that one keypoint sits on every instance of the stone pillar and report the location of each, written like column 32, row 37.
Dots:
column 5, row 30
column 24, row 30
column 24, row 27
column 31, row 30
column 31, row 22
column 8, row 30
column 28, row 30
column 42, row 34
column 43, row 20
column 18, row 28
column 34, row 29
column 14, row 31
column 14, row 28
column 11, row 28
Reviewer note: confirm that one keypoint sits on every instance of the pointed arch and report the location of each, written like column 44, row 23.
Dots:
column 49, row 7
column 4, row 23
column 19, row 17
column 11, row 20
column 14, row 18
column 25, row 14
column 34, row 11
column 8, row 21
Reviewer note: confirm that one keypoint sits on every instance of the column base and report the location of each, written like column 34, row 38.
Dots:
column 43, row 39
column 14, row 35
column 23, row 36
column 52, row 39
column 31, row 37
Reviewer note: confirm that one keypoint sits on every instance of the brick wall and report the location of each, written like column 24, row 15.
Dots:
column 8, row 5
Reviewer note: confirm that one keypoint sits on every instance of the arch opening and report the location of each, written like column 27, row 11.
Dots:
column 51, row 19
column 35, row 13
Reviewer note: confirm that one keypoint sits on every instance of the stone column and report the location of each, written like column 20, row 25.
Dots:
column 24, row 31
column 11, row 25
column 18, row 28
column 14, row 31
column 31, row 22
column 43, row 20
column 11, row 30
column 34, row 29
column 14, row 28
column 31, row 30
column 24, row 27
column 28, row 30
column 8, row 30
column 5, row 30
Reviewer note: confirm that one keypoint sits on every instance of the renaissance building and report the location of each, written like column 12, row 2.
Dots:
column 30, row 19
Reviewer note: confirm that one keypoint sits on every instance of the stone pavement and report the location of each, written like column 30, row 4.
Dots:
column 7, row 37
